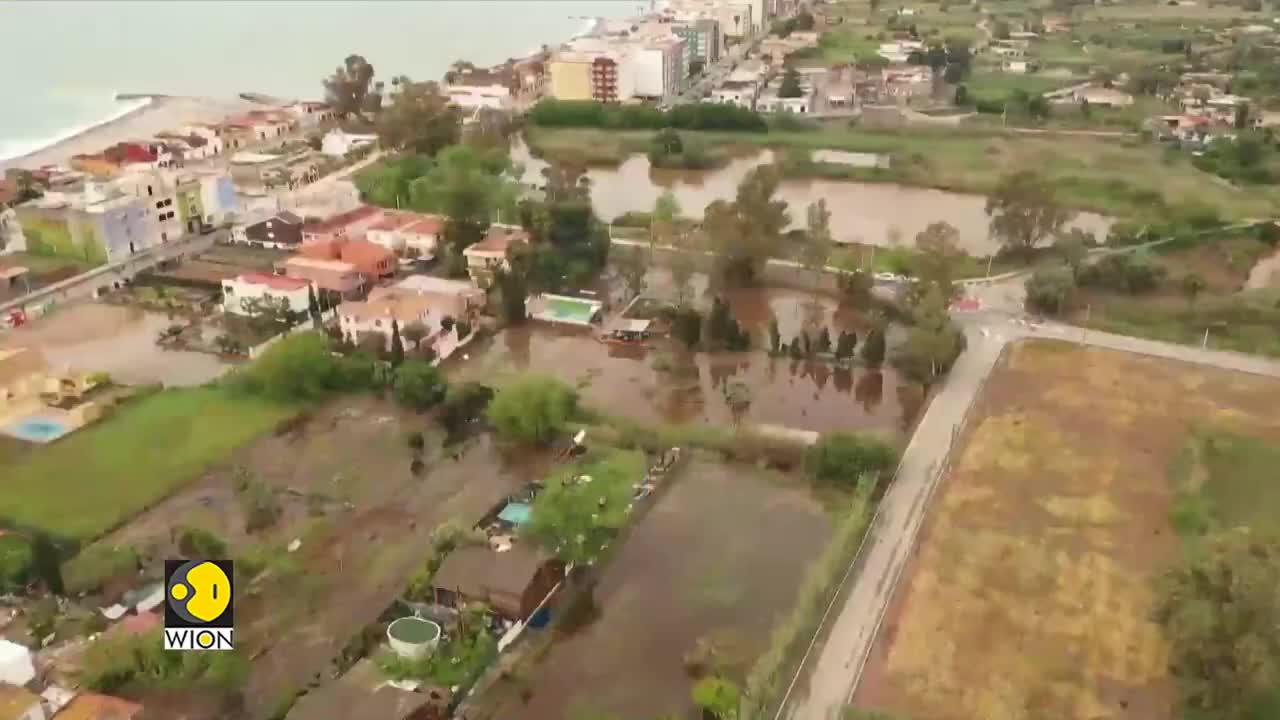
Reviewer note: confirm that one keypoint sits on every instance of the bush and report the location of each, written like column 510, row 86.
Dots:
column 1049, row 289
column 418, row 385
column 200, row 543
column 696, row 116
column 302, row 367
column 1134, row 273
column 16, row 558
column 532, row 408
column 260, row 507
column 845, row 459
column 97, row 565
column 140, row 661
column 462, row 404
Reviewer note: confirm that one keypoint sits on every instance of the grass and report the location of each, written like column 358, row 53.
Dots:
column 1122, row 178
column 44, row 263
column 1225, row 478
column 996, row 86
column 848, row 45
column 88, row 482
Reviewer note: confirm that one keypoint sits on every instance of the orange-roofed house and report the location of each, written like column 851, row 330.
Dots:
column 493, row 252
column 409, row 234
column 240, row 292
column 373, row 261
column 93, row 706
column 406, row 307
column 334, row 277
column 345, row 226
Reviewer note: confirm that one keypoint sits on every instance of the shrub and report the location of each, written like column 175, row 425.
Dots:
column 418, row 385
column 845, row 458
column 462, row 404
column 301, row 367
column 1134, row 273
column 97, row 565
column 200, row 543
column 16, row 558
column 532, row 408
column 1049, row 289
column 259, row 505
column 415, row 440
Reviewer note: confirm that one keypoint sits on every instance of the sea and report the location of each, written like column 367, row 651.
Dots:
column 66, row 62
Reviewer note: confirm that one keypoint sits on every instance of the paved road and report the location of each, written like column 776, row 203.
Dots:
column 837, row 666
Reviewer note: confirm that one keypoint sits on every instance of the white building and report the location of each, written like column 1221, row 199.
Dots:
column 474, row 97
column 492, row 253
column 337, row 143
column 741, row 93
column 239, row 290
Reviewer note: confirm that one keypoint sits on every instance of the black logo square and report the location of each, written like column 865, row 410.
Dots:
column 198, row 594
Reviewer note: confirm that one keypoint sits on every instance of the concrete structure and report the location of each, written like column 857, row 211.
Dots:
column 413, row 637
column 159, row 190
column 372, row 261
column 1102, row 97
column 337, row 143
column 702, row 38
column 337, row 278
column 96, row 225
column 249, row 287
column 409, row 234
column 493, row 253
column 741, row 93
column 899, row 51
column 737, row 19
column 345, row 226
column 511, row 582
column 310, row 113
column 375, row 316
column 282, row 231
column 458, row 299
column 205, row 198
column 17, row 703
column 660, row 68
column 16, row 666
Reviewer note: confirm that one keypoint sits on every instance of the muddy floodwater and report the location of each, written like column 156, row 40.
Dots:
column 664, row 384
column 120, row 341
column 870, row 213
column 718, row 559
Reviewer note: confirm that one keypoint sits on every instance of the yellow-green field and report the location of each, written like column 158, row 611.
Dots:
column 1030, row 593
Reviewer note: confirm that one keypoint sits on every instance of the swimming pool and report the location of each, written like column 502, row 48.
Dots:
column 36, row 429
column 559, row 308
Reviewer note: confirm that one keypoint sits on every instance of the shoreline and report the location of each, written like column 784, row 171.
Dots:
column 161, row 113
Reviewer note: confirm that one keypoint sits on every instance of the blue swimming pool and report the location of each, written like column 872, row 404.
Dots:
column 36, row 429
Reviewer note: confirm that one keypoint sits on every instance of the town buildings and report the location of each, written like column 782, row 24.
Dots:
column 282, row 231
column 390, row 308
column 240, row 292
column 96, row 224
column 409, row 234
column 702, row 37
column 335, row 278
column 344, row 226
column 493, row 253
column 372, row 261
column 622, row 60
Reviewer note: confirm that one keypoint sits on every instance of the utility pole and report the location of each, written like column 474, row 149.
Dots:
column 1205, row 342
column 990, row 259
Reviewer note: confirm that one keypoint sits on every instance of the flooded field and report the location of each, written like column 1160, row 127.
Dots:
column 699, row 568
column 860, row 212
column 121, row 341
column 346, row 490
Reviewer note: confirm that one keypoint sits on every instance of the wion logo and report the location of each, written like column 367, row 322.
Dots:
column 197, row 605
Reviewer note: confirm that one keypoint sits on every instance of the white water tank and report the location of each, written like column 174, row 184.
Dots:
column 413, row 637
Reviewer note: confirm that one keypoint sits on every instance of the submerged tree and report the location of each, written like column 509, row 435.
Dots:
column 1024, row 211
column 744, row 234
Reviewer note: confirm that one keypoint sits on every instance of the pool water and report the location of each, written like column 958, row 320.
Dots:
column 36, row 429
column 570, row 310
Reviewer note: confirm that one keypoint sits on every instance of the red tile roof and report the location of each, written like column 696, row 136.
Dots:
column 275, row 282
column 364, row 212
column 394, row 221
column 427, row 225
column 499, row 239
column 363, row 253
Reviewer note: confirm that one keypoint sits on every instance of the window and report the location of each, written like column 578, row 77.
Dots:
column 377, row 323
column 149, row 193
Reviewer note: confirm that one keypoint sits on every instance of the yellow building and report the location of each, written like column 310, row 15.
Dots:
column 570, row 76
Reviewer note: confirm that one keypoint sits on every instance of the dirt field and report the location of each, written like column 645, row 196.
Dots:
column 345, row 488
column 690, row 571
column 1029, row 594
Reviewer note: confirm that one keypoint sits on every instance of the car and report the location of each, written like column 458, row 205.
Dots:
column 885, row 277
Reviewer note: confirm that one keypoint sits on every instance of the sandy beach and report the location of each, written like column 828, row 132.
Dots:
column 163, row 113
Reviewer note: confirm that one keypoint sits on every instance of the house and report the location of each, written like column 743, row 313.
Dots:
column 372, row 261
column 906, row 82
column 1018, row 67
column 899, row 51
column 16, row 666
column 240, row 291
column 410, row 234
column 512, row 582
column 92, row 706
column 492, row 253
column 1102, row 97
column 309, row 113
column 205, row 198
column 1188, row 128
column 459, row 299
column 344, row 226
column 1266, row 119
column 18, row 703
column 97, row 224
column 337, row 143
column 334, row 277
column 282, row 231
column 741, row 93
column 771, row 101
column 387, row 308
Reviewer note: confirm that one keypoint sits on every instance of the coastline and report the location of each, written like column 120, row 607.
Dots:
column 160, row 113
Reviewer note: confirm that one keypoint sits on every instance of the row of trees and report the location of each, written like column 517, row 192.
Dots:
column 694, row 116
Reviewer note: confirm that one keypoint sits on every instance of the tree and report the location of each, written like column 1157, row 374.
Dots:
column 15, row 562
column 633, row 265
column 418, row 385
column 940, row 255
column 350, row 90
column 418, row 119
column 845, row 345
column 397, row 345
column 1000, row 30
column 299, row 367
column 790, row 87
column 663, row 219
column 1242, row 116
column 532, row 408
column 1073, row 247
column 575, row 519
column 1192, row 285
column 744, row 234
column 846, row 458
column 823, row 344
column 856, row 286
column 512, row 291
column 718, row 697
column 933, row 343
column 686, row 325
column 467, row 185
column 873, row 347
column 1050, row 289
column 313, row 307
column 775, row 338
column 682, row 263
column 1220, row 610
column 273, row 314
column 961, row 97
column 1024, row 211
column 817, row 246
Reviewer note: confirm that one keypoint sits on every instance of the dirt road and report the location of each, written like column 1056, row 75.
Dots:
column 837, row 667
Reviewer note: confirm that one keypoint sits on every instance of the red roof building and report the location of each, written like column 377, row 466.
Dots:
column 348, row 225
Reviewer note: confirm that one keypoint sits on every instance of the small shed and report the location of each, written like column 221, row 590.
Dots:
column 512, row 582
column 16, row 667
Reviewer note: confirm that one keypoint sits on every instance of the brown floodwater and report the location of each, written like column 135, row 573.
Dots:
column 718, row 557
column 861, row 212
column 666, row 384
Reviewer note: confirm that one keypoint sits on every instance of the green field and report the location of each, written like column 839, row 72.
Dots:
column 86, row 483
column 1122, row 177
column 997, row 86
column 1225, row 478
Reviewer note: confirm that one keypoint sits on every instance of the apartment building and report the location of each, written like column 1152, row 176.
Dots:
column 96, row 224
column 626, row 59
column 702, row 37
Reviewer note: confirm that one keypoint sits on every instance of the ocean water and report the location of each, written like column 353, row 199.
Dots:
column 67, row 60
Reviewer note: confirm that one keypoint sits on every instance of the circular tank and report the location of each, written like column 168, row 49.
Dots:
column 413, row 637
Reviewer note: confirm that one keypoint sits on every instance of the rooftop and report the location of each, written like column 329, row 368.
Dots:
column 476, row 571
column 441, row 286
column 92, row 706
column 394, row 221
column 331, row 265
column 364, row 212
column 253, row 158
column 499, row 240
column 275, row 282
column 406, row 307
column 15, row 701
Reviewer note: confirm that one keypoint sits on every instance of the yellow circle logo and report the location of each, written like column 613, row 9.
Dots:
column 200, row 591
